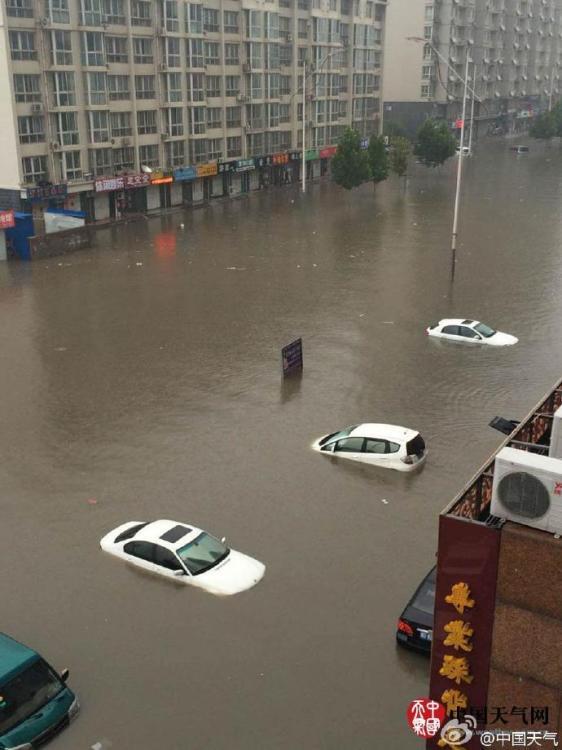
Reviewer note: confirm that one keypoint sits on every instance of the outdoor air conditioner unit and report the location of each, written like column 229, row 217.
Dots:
column 164, row 136
column 527, row 489
column 44, row 21
column 555, row 450
column 55, row 146
column 125, row 141
column 36, row 108
column 163, row 66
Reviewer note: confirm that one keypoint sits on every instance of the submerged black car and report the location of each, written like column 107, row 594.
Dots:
column 415, row 625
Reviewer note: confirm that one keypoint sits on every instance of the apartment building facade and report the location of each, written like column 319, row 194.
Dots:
column 514, row 47
column 116, row 105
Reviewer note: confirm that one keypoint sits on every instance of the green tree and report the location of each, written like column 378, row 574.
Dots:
column 546, row 126
column 400, row 153
column 378, row 159
column 350, row 166
column 435, row 143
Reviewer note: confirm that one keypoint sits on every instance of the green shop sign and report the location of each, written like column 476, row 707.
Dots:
column 311, row 153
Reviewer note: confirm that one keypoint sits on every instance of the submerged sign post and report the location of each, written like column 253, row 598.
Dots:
column 291, row 358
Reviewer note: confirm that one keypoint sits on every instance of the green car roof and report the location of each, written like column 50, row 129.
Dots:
column 13, row 656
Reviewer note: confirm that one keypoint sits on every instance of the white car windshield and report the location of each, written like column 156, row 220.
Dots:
column 485, row 330
column 202, row 553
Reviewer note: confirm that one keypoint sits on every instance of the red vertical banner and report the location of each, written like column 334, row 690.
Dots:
column 464, row 618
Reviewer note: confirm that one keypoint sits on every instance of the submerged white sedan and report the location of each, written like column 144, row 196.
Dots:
column 186, row 554
column 385, row 445
column 472, row 331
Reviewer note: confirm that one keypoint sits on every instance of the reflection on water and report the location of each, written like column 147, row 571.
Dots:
column 146, row 374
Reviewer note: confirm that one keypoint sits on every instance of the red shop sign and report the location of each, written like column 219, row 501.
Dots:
column 7, row 219
column 326, row 153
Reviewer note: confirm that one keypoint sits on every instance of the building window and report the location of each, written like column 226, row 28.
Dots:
column 210, row 20
column 256, row 85
column 231, row 54
column 140, row 13
column 284, row 113
column 271, row 25
column 142, row 50
column 120, row 124
column 195, row 87
column 172, row 52
column 213, row 86
column 26, row 88
column 302, row 56
column 198, row 151
column 19, row 8
column 148, row 155
column 63, row 89
column 118, row 87
column 146, row 122
column 34, row 169
column 427, row 71
column 254, row 116
column 214, row 118
column 425, row 91
column 194, row 18
column 274, row 114
column 97, row 121
column 116, row 49
column 114, row 12
column 284, row 3
column 254, row 54
column 22, row 45
column 170, row 12
column 197, row 115
column 254, row 143
column 57, row 11
column 427, row 32
column 175, row 153
column 284, row 85
column 195, row 53
column 66, row 125
column 429, row 13
column 61, row 48
column 212, row 53
column 31, row 129
column 91, row 13
column 174, row 121
column 123, row 158
column 302, row 28
column 172, row 84
column 232, row 85
column 92, row 48
column 303, row 4
column 286, row 54
column 71, row 169
column 96, row 88
column 144, row 87
column 231, row 22
column 233, row 117
column 100, row 161
column 234, row 146
column 214, row 146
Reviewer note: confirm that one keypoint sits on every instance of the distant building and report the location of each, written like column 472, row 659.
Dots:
column 497, row 635
column 515, row 44
column 205, row 94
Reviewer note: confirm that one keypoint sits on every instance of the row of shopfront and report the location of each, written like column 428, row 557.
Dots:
column 117, row 196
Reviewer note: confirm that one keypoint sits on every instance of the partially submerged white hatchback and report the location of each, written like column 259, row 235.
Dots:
column 385, row 445
column 471, row 331
column 184, row 553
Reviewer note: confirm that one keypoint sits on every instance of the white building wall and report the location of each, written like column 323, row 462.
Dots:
column 9, row 146
column 402, row 58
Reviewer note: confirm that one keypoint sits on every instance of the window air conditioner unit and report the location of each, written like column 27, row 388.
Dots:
column 555, row 450
column 527, row 489
column 36, row 108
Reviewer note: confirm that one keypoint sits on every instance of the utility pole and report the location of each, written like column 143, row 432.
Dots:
column 459, row 170
column 472, row 110
column 304, row 127
column 551, row 90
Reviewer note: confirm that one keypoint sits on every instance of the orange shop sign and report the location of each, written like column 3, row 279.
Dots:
column 207, row 170
column 280, row 158
column 161, row 180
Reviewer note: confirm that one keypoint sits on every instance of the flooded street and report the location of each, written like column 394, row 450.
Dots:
column 141, row 380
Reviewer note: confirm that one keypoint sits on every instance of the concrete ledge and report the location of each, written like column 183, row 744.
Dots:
column 61, row 243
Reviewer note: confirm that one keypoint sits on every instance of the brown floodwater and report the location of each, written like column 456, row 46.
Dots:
column 141, row 380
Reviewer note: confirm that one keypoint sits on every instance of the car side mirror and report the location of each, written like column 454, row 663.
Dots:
column 179, row 573
column 64, row 675
column 223, row 540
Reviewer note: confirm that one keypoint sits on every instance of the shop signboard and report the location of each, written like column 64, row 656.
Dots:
column 207, row 170
column 364, row 143
column 459, row 124
column 295, row 155
column 311, row 154
column 291, row 357
column 46, row 192
column 226, row 166
column 7, row 219
column 280, row 158
column 327, row 153
column 136, row 180
column 245, row 165
column 185, row 173
column 164, row 180
column 107, row 184
column 262, row 161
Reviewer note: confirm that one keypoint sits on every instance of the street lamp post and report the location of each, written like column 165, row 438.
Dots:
column 315, row 70
column 459, row 169
column 472, row 111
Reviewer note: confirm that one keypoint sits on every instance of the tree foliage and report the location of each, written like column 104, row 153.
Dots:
column 378, row 159
column 401, row 150
column 350, row 165
column 547, row 125
column 435, row 143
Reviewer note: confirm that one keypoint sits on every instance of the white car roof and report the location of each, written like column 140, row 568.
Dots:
column 384, row 431
column 458, row 321
column 153, row 532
